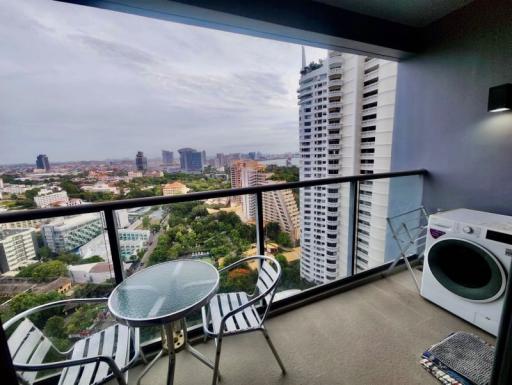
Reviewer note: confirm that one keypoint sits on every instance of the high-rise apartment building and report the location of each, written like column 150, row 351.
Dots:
column 17, row 248
column 191, row 160
column 67, row 234
column 141, row 162
column 278, row 206
column 42, row 162
column 167, row 157
column 346, row 106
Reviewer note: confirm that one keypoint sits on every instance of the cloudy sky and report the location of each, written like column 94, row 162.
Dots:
column 80, row 83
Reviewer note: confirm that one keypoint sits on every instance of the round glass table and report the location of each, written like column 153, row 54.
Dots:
column 165, row 294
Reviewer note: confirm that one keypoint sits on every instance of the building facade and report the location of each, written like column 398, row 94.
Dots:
column 346, row 106
column 131, row 242
column 42, row 162
column 278, row 206
column 59, row 198
column 141, row 162
column 167, row 157
column 191, row 160
column 17, row 248
column 174, row 188
column 68, row 234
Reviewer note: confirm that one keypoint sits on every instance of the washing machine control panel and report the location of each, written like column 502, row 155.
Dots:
column 468, row 229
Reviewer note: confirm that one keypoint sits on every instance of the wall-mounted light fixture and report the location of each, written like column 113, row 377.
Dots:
column 500, row 98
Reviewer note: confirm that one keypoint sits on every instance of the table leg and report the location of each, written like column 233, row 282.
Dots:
column 169, row 333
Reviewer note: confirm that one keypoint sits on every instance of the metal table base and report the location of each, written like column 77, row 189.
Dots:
column 174, row 339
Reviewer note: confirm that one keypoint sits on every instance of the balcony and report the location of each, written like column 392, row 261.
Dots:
column 324, row 331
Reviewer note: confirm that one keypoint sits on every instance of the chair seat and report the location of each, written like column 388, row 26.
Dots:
column 113, row 341
column 28, row 345
column 223, row 303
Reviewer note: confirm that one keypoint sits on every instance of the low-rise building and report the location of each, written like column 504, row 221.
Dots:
column 174, row 188
column 67, row 234
column 59, row 198
column 99, row 272
column 17, row 248
column 131, row 242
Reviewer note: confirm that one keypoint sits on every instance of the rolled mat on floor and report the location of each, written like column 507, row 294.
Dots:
column 460, row 359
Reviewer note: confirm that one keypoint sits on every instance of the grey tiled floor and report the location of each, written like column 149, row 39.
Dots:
column 371, row 335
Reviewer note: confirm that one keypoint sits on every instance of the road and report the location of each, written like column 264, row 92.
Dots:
column 151, row 247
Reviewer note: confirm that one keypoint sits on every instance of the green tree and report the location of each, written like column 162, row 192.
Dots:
column 44, row 270
column 45, row 253
column 272, row 230
column 69, row 258
column 146, row 222
column 284, row 239
column 93, row 259
column 72, row 188
column 54, row 327
column 28, row 300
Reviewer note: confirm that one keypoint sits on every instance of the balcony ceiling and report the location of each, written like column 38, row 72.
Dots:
column 416, row 13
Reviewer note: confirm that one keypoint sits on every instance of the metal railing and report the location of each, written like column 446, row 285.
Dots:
column 108, row 208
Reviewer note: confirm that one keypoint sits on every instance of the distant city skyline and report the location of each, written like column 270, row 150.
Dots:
column 79, row 83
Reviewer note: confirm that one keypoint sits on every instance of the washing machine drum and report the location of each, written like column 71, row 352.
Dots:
column 467, row 269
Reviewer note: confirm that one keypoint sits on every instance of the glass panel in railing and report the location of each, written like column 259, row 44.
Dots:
column 49, row 260
column 390, row 220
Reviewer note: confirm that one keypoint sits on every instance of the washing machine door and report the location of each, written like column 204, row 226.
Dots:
column 467, row 269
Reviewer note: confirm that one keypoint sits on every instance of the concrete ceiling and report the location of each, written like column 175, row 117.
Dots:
column 414, row 13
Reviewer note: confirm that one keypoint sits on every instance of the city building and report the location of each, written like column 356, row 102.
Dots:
column 220, row 161
column 174, row 188
column 134, row 174
column 191, row 160
column 99, row 272
column 17, row 248
column 15, row 189
column 235, row 173
column 141, row 162
column 131, row 242
column 59, row 198
column 278, row 206
column 42, row 162
column 31, row 223
column 346, row 106
column 68, row 234
column 167, row 157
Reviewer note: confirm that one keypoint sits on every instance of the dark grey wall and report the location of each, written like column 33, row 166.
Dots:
column 441, row 118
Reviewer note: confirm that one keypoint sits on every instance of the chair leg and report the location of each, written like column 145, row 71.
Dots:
column 271, row 345
column 216, row 375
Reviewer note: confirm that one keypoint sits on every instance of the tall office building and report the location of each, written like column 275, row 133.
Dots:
column 346, row 107
column 141, row 162
column 42, row 162
column 191, row 160
column 167, row 157
column 17, row 248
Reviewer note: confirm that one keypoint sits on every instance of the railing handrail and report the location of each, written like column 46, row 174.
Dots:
column 31, row 214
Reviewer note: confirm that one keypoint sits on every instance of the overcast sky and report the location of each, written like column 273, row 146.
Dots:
column 79, row 83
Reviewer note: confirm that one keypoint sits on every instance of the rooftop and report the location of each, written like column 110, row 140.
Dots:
column 373, row 334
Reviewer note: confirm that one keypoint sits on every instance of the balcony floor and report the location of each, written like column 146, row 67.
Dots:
column 373, row 334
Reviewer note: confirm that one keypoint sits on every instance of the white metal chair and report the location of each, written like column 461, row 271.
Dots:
column 93, row 360
column 236, row 313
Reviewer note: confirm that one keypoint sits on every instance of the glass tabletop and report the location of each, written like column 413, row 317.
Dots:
column 163, row 293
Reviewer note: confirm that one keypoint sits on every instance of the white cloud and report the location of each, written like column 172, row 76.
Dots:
column 83, row 83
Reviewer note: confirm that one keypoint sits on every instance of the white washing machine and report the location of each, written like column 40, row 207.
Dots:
column 467, row 264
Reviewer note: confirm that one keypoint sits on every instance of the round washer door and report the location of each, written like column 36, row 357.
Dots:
column 467, row 269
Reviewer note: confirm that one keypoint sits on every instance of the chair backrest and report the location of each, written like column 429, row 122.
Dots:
column 268, row 278
column 28, row 346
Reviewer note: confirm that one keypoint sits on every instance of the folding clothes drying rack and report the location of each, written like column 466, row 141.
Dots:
column 409, row 230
